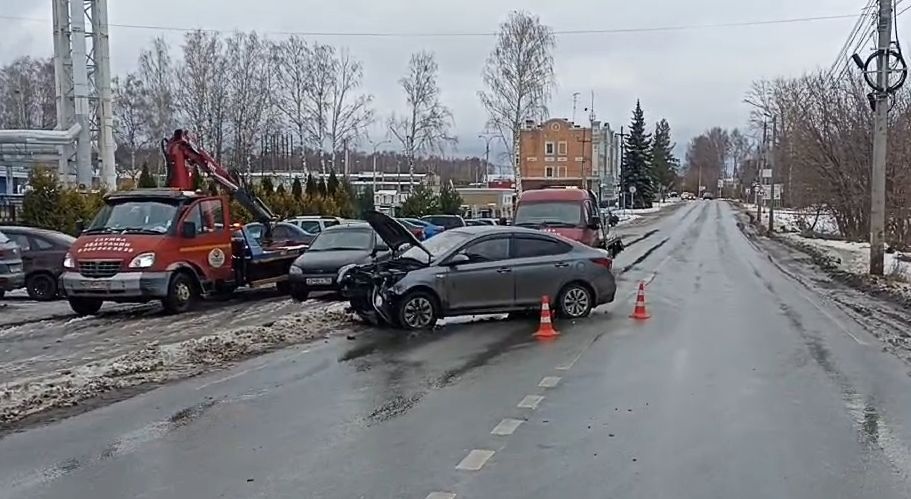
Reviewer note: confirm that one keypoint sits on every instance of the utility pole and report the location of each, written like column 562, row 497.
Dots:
column 762, row 164
column 880, row 136
column 772, row 151
column 575, row 98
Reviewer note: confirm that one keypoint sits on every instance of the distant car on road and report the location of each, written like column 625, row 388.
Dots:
column 11, row 273
column 708, row 195
column 445, row 221
column 416, row 229
column 42, row 254
column 475, row 270
column 430, row 229
column 335, row 247
column 471, row 222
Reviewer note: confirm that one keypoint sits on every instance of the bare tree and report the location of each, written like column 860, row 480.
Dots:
column 27, row 94
column 426, row 124
column 293, row 84
column 350, row 114
column 249, row 94
column 519, row 76
column 318, row 102
column 156, row 70
column 203, row 93
column 131, row 114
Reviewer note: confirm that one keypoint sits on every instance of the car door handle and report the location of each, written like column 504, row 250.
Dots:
column 503, row 270
column 561, row 265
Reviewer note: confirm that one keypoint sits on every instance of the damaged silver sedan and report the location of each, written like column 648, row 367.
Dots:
column 475, row 270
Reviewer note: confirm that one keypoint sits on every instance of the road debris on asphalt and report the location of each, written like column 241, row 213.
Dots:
column 154, row 363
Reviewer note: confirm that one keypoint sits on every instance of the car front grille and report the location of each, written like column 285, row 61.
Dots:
column 99, row 268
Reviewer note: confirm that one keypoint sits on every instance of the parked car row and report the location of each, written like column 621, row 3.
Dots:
column 32, row 258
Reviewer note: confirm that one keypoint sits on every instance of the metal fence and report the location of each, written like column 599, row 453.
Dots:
column 10, row 208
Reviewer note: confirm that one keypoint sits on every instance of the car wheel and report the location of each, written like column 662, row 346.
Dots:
column 283, row 287
column 85, row 306
column 299, row 293
column 182, row 293
column 2, row 293
column 417, row 310
column 575, row 301
column 41, row 287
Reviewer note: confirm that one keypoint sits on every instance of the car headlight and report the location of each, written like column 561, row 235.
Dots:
column 68, row 262
column 142, row 261
column 344, row 270
column 296, row 270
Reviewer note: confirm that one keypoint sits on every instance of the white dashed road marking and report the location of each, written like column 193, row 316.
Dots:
column 549, row 381
column 475, row 460
column 440, row 495
column 530, row 402
column 506, row 427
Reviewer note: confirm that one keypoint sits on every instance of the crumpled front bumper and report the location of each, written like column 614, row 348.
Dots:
column 123, row 286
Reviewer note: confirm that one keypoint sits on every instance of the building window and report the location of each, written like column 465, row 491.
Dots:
column 561, row 148
column 561, row 171
column 549, row 148
column 548, row 171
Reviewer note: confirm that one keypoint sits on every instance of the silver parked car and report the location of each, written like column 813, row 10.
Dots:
column 12, row 275
column 475, row 270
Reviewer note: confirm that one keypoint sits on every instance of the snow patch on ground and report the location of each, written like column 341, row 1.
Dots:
column 798, row 221
column 154, row 363
column 628, row 215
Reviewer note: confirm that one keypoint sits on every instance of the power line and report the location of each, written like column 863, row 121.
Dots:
column 852, row 37
column 379, row 34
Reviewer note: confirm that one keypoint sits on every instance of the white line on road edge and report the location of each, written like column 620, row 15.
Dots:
column 549, row 381
column 530, row 402
column 475, row 460
column 506, row 427
column 441, row 495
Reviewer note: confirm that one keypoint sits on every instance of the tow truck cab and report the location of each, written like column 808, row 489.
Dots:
column 163, row 244
column 569, row 212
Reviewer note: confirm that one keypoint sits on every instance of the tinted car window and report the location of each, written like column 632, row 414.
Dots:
column 282, row 233
column 311, row 226
column 42, row 244
column 489, row 250
column 330, row 223
column 343, row 239
column 528, row 247
column 449, row 222
column 22, row 241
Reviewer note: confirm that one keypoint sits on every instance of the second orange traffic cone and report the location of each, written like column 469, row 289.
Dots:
column 640, row 312
column 545, row 328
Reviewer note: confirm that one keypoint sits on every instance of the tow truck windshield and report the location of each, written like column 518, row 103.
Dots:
column 140, row 217
column 549, row 214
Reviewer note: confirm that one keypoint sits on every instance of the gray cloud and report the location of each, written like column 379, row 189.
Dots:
column 695, row 78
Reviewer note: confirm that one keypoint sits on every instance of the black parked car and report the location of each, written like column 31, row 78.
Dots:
column 42, row 257
column 336, row 246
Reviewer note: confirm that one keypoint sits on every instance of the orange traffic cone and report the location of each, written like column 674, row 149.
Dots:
column 639, row 312
column 545, row 329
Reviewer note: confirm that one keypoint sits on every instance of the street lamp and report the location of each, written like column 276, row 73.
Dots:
column 487, row 139
column 375, row 147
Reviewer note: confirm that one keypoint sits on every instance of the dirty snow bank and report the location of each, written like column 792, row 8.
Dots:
column 798, row 221
column 154, row 363
column 851, row 260
column 628, row 215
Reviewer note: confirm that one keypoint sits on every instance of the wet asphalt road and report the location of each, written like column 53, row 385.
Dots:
column 744, row 383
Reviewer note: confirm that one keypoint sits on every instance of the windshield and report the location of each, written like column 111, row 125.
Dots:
column 154, row 217
column 357, row 239
column 438, row 245
column 549, row 213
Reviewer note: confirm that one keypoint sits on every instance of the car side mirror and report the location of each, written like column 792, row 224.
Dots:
column 594, row 223
column 458, row 259
column 80, row 226
column 188, row 230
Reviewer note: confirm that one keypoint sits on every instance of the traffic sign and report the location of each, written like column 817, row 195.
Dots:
column 632, row 189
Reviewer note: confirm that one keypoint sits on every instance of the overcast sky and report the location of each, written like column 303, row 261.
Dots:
column 694, row 78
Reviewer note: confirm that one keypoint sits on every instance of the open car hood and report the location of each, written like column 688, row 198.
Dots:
column 392, row 232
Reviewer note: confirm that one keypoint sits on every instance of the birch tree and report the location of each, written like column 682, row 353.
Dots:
column 249, row 94
column 156, row 70
column 292, row 85
column 519, row 76
column 131, row 117
column 203, row 93
column 351, row 112
column 426, row 123
column 318, row 102
column 27, row 94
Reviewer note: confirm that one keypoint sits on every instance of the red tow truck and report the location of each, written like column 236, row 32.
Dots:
column 570, row 212
column 174, row 244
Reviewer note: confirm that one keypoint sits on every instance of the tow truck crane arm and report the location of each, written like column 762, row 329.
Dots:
column 182, row 154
